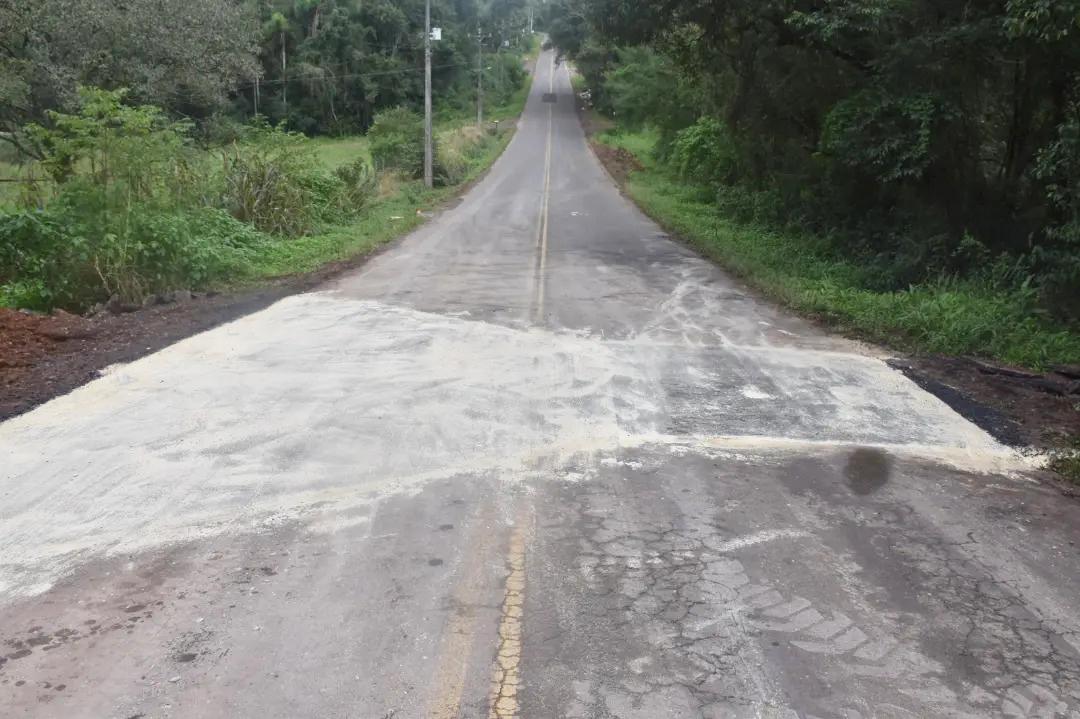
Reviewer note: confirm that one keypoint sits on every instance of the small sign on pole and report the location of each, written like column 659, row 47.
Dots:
column 436, row 33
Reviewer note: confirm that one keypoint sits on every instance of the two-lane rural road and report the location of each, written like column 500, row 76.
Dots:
column 536, row 460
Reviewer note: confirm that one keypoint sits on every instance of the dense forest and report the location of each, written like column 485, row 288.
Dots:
column 323, row 66
column 926, row 139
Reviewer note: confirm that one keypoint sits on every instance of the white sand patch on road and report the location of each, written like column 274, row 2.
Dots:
column 315, row 399
column 312, row 408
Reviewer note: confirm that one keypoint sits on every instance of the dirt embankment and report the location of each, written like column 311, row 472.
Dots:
column 44, row 356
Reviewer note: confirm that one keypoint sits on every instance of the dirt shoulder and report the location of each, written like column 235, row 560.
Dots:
column 45, row 356
column 1019, row 408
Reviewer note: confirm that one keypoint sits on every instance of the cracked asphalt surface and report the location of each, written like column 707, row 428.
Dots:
column 536, row 460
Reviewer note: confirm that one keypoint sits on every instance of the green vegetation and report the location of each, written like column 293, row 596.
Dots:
column 134, row 207
column 196, row 143
column 392, row 213
column 1066, row 461
column 333, row 152
column 907, row 170
column 319, row 66
column 984, row 315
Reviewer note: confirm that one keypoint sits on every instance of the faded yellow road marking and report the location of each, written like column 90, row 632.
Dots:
column 457, row 640
column 507, row 675
column 542, row 224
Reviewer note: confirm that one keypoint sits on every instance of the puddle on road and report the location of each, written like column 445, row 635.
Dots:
column 867, row 470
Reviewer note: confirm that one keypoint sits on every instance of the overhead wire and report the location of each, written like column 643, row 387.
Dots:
column 349, row 76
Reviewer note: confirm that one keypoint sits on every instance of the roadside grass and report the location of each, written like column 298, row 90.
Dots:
column 949, row 316
column 400, row 206
column 1067, row 464
column 382, row 221
column 1066, row 461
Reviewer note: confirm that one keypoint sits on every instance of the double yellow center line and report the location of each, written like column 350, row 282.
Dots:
column 545, row 202
column 456, row 649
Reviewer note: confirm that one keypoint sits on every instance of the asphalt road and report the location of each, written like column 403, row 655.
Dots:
column 537, row 460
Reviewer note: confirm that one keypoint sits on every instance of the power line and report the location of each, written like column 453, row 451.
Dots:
column 349, row 76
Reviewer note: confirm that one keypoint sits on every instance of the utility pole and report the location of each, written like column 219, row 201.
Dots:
column 499, row 66
column 429, row 179
column 479, row 77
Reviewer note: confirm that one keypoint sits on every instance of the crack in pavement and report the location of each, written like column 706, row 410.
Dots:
column 702, row 612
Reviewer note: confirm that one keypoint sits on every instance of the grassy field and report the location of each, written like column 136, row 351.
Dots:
column 948, row 316
column 334, row 152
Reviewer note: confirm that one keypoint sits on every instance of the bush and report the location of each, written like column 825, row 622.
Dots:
column 42, row 263
column 130, row 215
column 504, row 77
column 888, row 137
column 705, row 153
column 66, row 257
column 139, row 210
column 456, row 152
column 359, row 184
column 220, row 129
column 129, row 153
column 272, row 180
column 397, row 141
column 159, row 251
column 1058, row 254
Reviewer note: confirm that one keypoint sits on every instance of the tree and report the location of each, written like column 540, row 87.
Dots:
column 186, row 55
column 906, row 127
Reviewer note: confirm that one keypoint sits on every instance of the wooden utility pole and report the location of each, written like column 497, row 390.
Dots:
column 429, row 175
column 479, row 77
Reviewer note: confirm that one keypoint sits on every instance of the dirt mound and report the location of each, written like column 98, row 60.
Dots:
column 25, row 338
column 42, row 356
column 619, row 162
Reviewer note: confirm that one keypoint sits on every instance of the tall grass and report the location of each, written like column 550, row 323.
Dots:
column 400, row 206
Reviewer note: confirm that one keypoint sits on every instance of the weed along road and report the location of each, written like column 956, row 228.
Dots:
column 536, row 460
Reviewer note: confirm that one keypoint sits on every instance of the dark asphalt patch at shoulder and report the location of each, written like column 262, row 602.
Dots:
column 996, row 424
